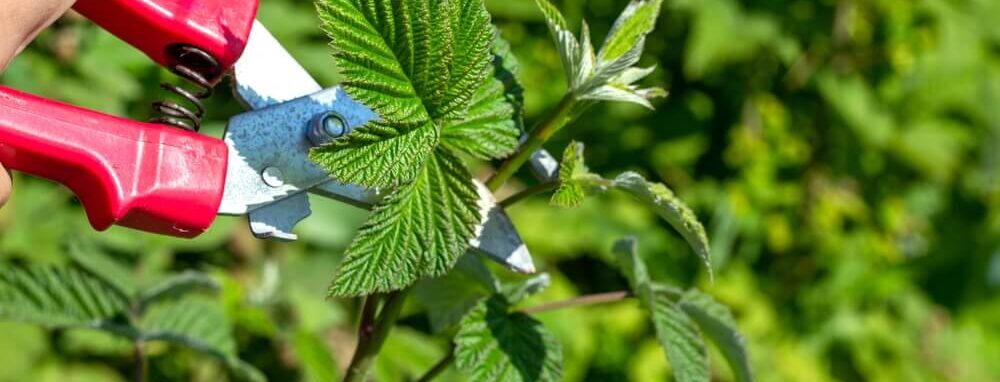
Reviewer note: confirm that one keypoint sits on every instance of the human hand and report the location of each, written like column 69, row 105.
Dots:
column 20, row 22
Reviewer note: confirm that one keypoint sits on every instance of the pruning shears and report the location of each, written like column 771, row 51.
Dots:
column 163, row 177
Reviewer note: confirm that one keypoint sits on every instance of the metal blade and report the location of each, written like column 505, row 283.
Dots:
column 269, row 168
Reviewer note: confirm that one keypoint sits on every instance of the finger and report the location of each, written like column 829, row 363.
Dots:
column 4, row 185
column 22, row 20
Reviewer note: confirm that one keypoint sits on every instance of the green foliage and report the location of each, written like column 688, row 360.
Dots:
column 576, row 180
column 58, row 297
column 417, row 231
column 842, row 256
column 70, row 297
column 495, row 344
column 680, row 320
column 608, row 75
column 424, row 67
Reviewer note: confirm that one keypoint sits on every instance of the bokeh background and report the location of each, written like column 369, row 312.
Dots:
column 844, row 155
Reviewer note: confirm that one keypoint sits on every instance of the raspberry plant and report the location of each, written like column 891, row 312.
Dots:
column 444, row 84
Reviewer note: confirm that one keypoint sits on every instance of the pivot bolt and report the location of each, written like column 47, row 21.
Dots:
column 326, row 127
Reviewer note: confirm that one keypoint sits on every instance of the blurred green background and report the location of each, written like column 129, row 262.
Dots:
column 844, row 155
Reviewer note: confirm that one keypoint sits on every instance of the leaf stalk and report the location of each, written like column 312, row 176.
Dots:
column 556, row 120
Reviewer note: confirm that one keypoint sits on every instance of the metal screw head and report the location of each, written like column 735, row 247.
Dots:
column 273, row 177
column 326, row 127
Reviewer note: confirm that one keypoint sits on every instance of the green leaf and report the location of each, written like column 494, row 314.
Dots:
column 177, row 286
column 630, row 30
column 58, row 297
column 199, row 324
column 418, row 231
column 680, row 337
column 576, row 181
column 717, row 322
column 671, row 209
column 494, row 344
column 675, row 331
column 493, row 124
column 450, row 297
column 415, row 63
column 574, row 178
column 608, row 75
column 88, row 257
column 315, row 360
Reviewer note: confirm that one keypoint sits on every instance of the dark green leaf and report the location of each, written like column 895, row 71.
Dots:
column 494, row 344
column 57, row 297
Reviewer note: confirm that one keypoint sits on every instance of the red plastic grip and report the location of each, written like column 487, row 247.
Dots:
column 140, row 175
column 219, row 27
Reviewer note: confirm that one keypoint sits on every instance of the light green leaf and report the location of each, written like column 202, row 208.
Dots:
column 418, row 231
column 58, row 297
column 177, row 286
column 608, row 75
column 671, row 209
column 630, row 30
column 494, row 344
column 717, row 322
column 450, row 297
column 574, row 178
column 576, row 181
column 199, row 324
column 680, row 337
column 493, row 124
column 314, row 356
column 676, row 332
column 415, row 63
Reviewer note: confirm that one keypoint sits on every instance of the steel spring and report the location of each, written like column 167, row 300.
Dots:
column 201, row 70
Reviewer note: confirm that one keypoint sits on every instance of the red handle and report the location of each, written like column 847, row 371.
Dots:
column 219, row 27
column 140, row 175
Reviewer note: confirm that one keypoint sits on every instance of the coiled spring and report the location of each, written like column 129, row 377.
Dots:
column 201, row 70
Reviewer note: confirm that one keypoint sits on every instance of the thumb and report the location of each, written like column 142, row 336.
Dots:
column 4, row 185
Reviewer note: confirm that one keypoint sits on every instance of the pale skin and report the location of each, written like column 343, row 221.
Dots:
column 20, row 22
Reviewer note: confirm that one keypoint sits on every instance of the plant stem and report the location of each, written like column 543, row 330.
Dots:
column 141, row 367
column 372, row 337
column 600, row 298
column 559, row 117
column 528, row 192
column 439, row 367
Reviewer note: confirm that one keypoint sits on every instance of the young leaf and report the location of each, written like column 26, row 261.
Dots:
column 491, row 128
column 418, row 231
column 415, row 63
column 676, row 332
column 198, row 324
column 574, row 178
column 671, row 209
column 608, row 75
column 57, row 297
column 494, row 344
column 630, row 30
column 717, row 322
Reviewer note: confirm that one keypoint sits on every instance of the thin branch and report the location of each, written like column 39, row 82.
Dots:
column 528, row 192
column 141, row 366
column 593, row 299
column 439, row 367
column 559, row 117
